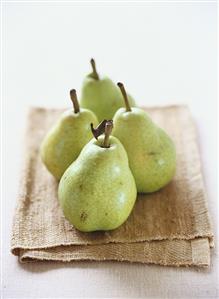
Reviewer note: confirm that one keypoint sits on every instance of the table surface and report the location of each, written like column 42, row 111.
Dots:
column 164, row 53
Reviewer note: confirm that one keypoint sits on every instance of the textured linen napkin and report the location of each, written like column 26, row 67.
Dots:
column 169, row 227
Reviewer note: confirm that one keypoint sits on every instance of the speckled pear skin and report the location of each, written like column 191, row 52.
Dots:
column 151, row 152
column 98, row 191
column 103, row 97
column 64, row 142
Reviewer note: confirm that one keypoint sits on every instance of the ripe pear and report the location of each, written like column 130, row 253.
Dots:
column 67, row 137
column 101, row 95
column 98, row 191
column 151, row 152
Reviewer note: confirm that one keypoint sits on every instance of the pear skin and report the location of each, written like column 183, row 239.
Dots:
column 151, row 152
column 65, row 140
column 98, row 191
column 101, row 95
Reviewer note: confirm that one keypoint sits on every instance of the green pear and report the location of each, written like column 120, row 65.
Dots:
column 151, row 152
column 64, row 142
column 98, row 191
column 101, row 95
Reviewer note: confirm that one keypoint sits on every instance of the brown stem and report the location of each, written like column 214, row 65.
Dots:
column 123, row 91
column 74, row 99
column 94, row 74
column 108, row 130
column 100, row 129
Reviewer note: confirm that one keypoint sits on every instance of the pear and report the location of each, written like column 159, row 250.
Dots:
column 101, row 95
column 98, row 191
column 151, row 152
column 67, row 137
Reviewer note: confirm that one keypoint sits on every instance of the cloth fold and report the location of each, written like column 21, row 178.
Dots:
column 169, row 227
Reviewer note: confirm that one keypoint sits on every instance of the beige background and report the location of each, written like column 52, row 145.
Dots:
column 165, row 54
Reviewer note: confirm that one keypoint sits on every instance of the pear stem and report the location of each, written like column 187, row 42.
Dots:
column 123, row 91
column 95, row 74
column 74, row 99
column 108, row 130
column 100, row 129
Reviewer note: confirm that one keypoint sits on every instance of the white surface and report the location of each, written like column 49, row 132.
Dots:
column 164, row 53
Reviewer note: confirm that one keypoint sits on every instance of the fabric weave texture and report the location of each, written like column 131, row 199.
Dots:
column 169, row 227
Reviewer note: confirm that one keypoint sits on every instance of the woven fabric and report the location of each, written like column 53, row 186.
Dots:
column 169, row 227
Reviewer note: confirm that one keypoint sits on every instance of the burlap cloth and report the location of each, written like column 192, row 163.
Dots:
column 169, row 227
